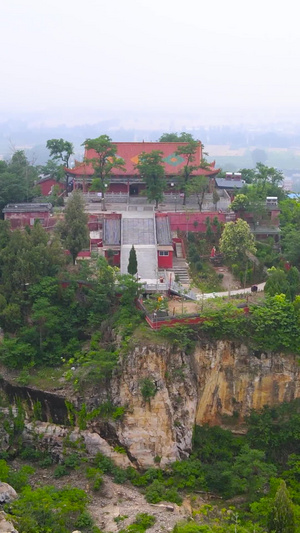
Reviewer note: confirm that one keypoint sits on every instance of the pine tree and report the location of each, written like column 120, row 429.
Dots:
column 281, row 515
column 132, row 263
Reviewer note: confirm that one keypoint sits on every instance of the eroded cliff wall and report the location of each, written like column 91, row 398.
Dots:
column 216, row 384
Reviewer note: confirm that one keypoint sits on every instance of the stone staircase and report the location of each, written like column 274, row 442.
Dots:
column 179, row 253
column 181, row 271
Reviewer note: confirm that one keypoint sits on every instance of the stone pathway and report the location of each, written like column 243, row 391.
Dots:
column 139, row 231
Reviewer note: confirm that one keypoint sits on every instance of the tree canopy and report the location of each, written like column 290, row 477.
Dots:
column 281, row 518
column 198, row 185
column 105, row 161
column 74, row 229
column 182, row 137
column 237, row 240
column 60, row 150
column 132, row 263
column 240, row 203
column 151, row 168
column 188, row 152
column 17, row 179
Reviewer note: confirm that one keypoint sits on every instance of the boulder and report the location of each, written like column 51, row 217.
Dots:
column 7, row 493
column 5, row 526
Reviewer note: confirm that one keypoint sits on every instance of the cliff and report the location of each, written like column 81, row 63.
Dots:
column 216, row 384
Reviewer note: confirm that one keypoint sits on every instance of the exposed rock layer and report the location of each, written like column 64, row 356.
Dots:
column 217, row 384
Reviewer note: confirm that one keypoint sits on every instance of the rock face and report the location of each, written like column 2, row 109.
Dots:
column 55, row 438
column 232, row 380
column 7, row 493
column 5, row 526
column 216, row 384
column 220, row 382
column 162, row 426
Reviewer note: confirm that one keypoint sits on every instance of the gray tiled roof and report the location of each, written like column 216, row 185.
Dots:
column 163, row 234
column 229, row 184
column 27, row 208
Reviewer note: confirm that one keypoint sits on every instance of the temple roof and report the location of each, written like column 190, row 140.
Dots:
column 130, row 151
column 27, row 208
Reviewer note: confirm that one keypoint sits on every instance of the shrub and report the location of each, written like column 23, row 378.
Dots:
column 148, row 389
column 60, row 471
column 95, row 475
column 84, row 521
column 72, row 461
column 155, row 492
column 145, row 520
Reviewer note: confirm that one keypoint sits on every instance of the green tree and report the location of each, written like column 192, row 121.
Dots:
column 293, row 278
column 27, row 257
column 237, row 240
column 151, row 168
column 74, row 228
column 250, row 473
column 53, row 170
column 248, row 174
column 282, row 282
column 132, row 263
column 182, row 137
column 17, row 180
column 48, row 509
column 61, row 150
column 240, row 203
column 290, row 242
column 266, row 176
column 290, row 213
column 188, row 152
column 105, row 161
column 275, row 325
column 216, row 198
column 198, row 185
column 277, row 282
column 281, row 517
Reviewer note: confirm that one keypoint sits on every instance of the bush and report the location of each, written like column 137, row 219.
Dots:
column 48, row 509
column 84, row 521
column 95, row 475
column 155, row 492
column 72, row 461
column 148, row 389
column 60, row 471
column 145, row 520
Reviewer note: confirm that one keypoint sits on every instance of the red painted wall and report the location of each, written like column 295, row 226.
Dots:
column 165, row 261
column 178, row 239
column 46, row 186
column 116, row 258
column 20, row 220
column 118, row 187
column 185, row 221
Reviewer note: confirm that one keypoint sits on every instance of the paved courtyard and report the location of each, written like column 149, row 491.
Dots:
column 138, row 231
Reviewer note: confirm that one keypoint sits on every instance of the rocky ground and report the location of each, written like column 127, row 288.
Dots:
column 114, row 506
column 117, row 501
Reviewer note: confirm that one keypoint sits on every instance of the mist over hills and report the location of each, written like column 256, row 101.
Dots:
column 231, row 145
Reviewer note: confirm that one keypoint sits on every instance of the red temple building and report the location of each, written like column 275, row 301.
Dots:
column 26, row 214
column 128, row 181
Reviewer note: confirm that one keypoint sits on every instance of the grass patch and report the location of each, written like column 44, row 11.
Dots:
column 43, row 378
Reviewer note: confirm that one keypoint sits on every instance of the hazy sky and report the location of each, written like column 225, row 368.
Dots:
column 149, row 57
